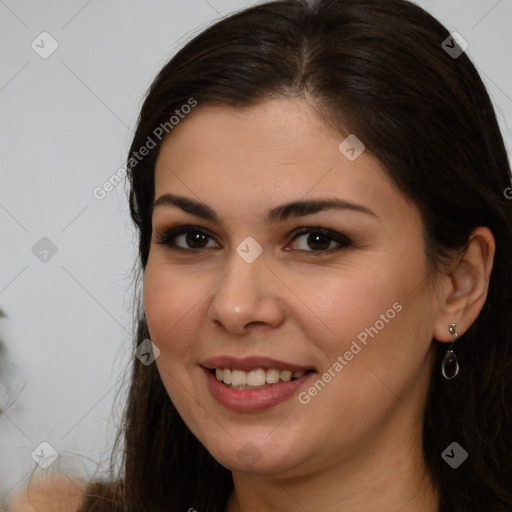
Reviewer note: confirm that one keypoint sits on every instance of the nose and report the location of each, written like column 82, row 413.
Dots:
column 248, row 295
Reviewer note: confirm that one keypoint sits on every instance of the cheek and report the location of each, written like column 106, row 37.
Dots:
column 373, row 317
column 345, row 306
column 170, row 300
column 384, row 341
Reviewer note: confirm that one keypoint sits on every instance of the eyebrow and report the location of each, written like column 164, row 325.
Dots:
column 293, row 209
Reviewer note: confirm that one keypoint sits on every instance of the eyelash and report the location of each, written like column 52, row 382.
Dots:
column 168, row 236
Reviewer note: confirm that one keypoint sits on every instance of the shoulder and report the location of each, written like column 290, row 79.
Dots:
column 56, row 493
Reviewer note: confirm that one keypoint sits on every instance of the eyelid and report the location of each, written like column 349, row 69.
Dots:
column 166, row 236
column 337, row 237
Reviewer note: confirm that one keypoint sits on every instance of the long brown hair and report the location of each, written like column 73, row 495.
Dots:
column 380, row 69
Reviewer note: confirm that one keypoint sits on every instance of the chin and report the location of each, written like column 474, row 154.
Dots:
column 247, row 454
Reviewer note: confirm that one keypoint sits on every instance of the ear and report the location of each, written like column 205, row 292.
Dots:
column 466, row 286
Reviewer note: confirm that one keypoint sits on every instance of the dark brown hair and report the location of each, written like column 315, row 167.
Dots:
column 378, row 69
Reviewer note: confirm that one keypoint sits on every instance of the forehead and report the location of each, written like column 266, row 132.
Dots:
column 275, row 151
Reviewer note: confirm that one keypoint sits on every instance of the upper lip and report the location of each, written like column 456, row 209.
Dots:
column 251, row 363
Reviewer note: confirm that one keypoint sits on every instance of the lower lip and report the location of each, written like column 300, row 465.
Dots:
column 253, row 400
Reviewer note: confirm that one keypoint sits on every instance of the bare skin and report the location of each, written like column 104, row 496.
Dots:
column 49, row 493
column 356, row 444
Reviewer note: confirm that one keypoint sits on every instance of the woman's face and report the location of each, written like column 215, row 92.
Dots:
column 250, row 288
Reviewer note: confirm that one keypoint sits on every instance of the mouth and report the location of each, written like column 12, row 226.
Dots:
column 254, row 383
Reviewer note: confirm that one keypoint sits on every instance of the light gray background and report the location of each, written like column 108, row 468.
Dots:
column 66, row 124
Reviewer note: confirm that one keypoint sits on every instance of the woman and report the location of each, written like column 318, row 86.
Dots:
column 325, row 248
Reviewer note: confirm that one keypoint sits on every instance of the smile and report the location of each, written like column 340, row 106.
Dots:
column 255, row 379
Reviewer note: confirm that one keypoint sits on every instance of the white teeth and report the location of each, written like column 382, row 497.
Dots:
column 255, row 379
column 272, row 376
column 238, row 378
column 286, row 375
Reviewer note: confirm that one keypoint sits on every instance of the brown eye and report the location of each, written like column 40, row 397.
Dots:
column 196, row 239
column 184, row 237
column 321, row 240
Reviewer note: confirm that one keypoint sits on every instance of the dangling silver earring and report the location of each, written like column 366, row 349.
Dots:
column 450, row 365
